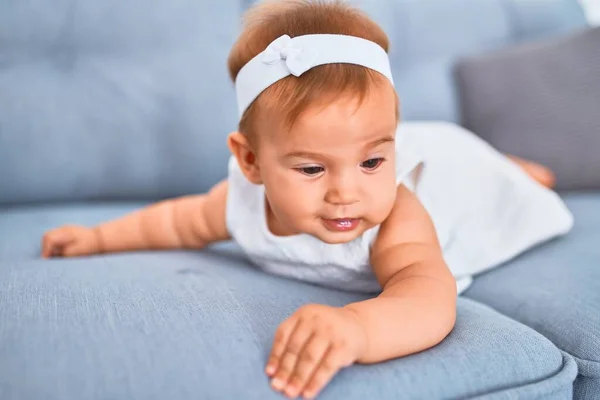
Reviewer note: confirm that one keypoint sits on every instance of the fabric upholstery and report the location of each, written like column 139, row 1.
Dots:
column 545, row 289
column 22, row 227
column 555, row 290
column 131, row 100
column 540, row 101
column 191, row 325
column 113, row 99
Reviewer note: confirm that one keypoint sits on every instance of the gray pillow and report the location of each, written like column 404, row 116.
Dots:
column 540, row 101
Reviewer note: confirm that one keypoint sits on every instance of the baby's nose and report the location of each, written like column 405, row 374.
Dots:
column 341, row 197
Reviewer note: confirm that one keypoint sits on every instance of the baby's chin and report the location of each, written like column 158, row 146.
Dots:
column 336, row 238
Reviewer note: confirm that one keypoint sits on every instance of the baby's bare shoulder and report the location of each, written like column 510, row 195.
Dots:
column 409, row 222
column 407, row 236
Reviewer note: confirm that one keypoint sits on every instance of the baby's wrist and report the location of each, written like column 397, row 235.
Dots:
column 359, row 318
column 99, row 241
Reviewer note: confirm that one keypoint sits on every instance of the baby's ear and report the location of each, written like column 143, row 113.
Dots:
column 242, row 150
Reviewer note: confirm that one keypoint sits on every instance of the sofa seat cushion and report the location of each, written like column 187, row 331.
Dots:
column 22, row 227
column 199, row 324
column 555, row 289
column 191, row 325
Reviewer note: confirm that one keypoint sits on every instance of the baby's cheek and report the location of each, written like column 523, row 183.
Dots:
column 294, row 206
column 382, row 204
column 308, row 202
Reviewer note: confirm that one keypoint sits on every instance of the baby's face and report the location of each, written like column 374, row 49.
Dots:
column 333, row 174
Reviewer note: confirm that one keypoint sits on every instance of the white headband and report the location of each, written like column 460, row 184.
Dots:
column 294, row 56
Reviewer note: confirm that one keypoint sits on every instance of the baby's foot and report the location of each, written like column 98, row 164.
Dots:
column 541, row 174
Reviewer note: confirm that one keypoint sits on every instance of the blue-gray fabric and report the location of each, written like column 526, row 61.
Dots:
column 199, row 325
column 114, row 99
column 540, row 101
column 555, row 289
column 131, row 100
column 545, row 289
column 22, row 227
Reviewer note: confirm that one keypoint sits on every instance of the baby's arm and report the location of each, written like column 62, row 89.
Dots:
column 415, row 311
column 189, row 222
column 417, row 308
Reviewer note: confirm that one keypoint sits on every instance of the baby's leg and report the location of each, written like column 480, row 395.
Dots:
column 537, row 171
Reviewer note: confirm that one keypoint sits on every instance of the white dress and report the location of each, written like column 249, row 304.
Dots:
column 485, row 209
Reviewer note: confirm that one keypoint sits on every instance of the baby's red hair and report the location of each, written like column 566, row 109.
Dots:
column 290, row 96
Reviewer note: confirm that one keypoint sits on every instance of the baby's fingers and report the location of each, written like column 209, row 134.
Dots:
column 308, row 361
column 282, row 336
column 289, row 359
column 76, row 250
column 54, row 242
column 328, row 367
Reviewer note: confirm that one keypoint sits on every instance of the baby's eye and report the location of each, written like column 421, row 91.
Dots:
column 372, row 164
column 311, row 171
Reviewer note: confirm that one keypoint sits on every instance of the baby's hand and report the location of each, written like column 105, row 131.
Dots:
column 70, row 241
column 311, row 346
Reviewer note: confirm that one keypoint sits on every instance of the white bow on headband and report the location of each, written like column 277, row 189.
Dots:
column 297, row 59
column 294, row 56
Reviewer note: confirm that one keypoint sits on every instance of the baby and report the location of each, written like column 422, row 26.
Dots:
column 317, row 190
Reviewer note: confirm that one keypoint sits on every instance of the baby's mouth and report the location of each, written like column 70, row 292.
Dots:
column 341, row 224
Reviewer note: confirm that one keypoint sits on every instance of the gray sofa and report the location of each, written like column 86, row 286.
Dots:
column 108, row 105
